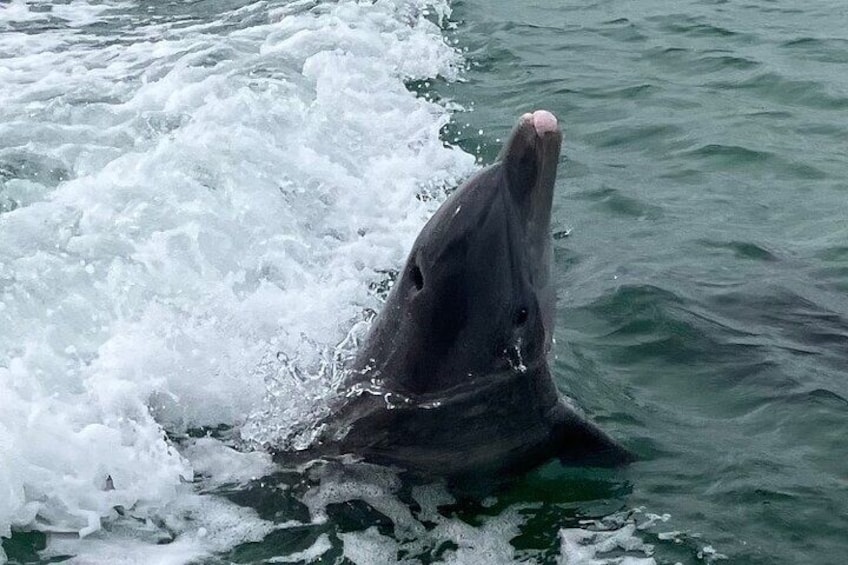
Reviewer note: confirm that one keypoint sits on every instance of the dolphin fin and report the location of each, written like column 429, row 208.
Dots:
column 577, row 441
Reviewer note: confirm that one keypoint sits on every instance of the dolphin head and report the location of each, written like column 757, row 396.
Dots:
column 475, row 296
column 461, row 344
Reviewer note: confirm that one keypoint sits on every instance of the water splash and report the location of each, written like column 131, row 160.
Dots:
column 199, row 192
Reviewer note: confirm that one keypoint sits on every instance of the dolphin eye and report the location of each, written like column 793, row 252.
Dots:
column 417, row 277
column 520, row 316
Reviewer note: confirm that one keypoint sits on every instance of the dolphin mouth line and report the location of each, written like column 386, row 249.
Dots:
column 456, row 395
column 547, row 148
column 548, row 159
column 530, row 158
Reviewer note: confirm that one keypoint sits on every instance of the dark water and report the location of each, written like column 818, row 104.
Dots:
column 703, row 310
column 701, row 221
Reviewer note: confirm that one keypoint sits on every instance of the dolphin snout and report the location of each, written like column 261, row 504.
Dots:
column 530, row 158
column 542, row 121
column 534, row 142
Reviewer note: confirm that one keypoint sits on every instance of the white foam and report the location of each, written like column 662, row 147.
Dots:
column 221, row 465
column 202, row 525
column 18, row 11
column 593, row 547
column 425, row 532
column 79, row 13
column 225, row 192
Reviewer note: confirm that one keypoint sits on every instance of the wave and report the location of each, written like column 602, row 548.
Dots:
column 184, row 196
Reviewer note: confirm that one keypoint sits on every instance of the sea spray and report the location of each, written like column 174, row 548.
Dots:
column 186, row 194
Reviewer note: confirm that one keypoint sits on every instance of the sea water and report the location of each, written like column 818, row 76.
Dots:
column 202, row 203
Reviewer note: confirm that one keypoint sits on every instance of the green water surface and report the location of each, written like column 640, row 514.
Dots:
column 703, row 315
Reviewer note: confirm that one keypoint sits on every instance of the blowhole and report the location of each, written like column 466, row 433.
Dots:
column 417, row 277
column 521, row 316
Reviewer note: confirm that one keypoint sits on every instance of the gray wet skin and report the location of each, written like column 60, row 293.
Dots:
column 453, row 378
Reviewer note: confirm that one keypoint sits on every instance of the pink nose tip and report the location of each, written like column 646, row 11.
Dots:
column 544, row 122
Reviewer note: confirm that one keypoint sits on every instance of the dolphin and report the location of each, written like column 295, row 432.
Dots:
column 453, row 377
